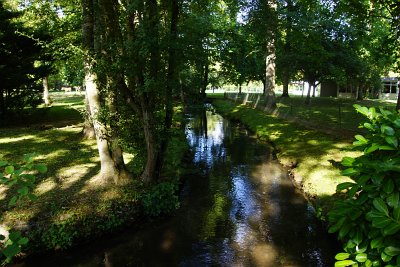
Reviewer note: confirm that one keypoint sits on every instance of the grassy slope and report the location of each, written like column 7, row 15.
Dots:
column 326, row 112
column 67, row 199
column 310, row 150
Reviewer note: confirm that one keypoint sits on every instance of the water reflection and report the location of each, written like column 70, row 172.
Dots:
column 239, row 208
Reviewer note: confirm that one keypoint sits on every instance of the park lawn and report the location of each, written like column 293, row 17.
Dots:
column 310, row 152
column 323, row 113
column 70, row 207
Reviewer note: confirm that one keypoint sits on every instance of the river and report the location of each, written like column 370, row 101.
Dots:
column 238, row 208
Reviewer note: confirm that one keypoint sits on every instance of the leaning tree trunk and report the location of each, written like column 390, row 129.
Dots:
column 270, row 99
column 46, row 96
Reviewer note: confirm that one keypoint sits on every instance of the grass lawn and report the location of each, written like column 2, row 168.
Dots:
column 70, row 206
column 324, row 113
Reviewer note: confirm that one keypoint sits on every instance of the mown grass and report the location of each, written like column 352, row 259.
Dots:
column 326, row 113
column 70, row 207
column 309, row 151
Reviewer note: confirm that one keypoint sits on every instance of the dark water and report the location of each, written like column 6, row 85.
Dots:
column 239, row 208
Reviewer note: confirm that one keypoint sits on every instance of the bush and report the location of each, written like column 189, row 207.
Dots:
column 366, row 215
column 21, row 178
column 160, row 199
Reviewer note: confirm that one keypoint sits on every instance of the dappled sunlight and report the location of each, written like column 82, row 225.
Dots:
column 128, row 157
column 316, row 183
column 45, row 187
column 52, row 155
column 7, row 140
column 20, row 216
column 314, row 142
column 70, row 176
column 3, row 192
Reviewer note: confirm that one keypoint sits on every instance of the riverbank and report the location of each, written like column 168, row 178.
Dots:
column 70, row 207
column 309, row 154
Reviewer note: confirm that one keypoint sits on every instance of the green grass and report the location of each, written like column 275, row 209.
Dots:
column 323, row 113
column 65, row 109
column 309, row 150
column 70, row 206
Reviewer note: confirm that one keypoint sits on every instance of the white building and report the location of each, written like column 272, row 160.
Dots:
column 390, row 88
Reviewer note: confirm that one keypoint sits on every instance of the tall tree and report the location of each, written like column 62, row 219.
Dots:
column 263, row 19
column 111, row 159
column 19, row 75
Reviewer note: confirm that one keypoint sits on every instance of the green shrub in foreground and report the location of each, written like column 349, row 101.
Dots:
column 21, row 178
column 367, row 217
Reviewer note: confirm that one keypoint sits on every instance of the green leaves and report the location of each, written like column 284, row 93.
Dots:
column 368, row 215
column 361, row 140
column 387, row 130
column 342, row 256
column 21, row 177
column 380, row 205
column 41, row 168
column 392, row 140
column 391, row 229
column 9, row 169
column 350, row 172
column 344, row 263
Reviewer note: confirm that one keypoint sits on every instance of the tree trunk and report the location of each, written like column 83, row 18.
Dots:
column 359, row 93
column 285, row 92
column 270, row 99
column 172, row 81
column 46, row 96
column 205, row 80
column 150, row 172
column 398, row 99
column 308, row 98
column 240, row 89
column 314, row 88
column 2, row 105
column 264, row 87
column 88, row 130
column 112, row 165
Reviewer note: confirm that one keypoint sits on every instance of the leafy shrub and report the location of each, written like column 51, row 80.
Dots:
column 367, row 216
column 21, row 178
column 160, row 199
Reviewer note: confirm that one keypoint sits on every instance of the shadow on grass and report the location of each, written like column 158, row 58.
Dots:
column 61, row 150
column 323, row 113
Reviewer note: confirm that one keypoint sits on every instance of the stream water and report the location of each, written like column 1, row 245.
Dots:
column 239, row 208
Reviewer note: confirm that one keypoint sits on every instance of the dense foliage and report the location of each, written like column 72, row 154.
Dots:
column 19, row 73
column 367, row 216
